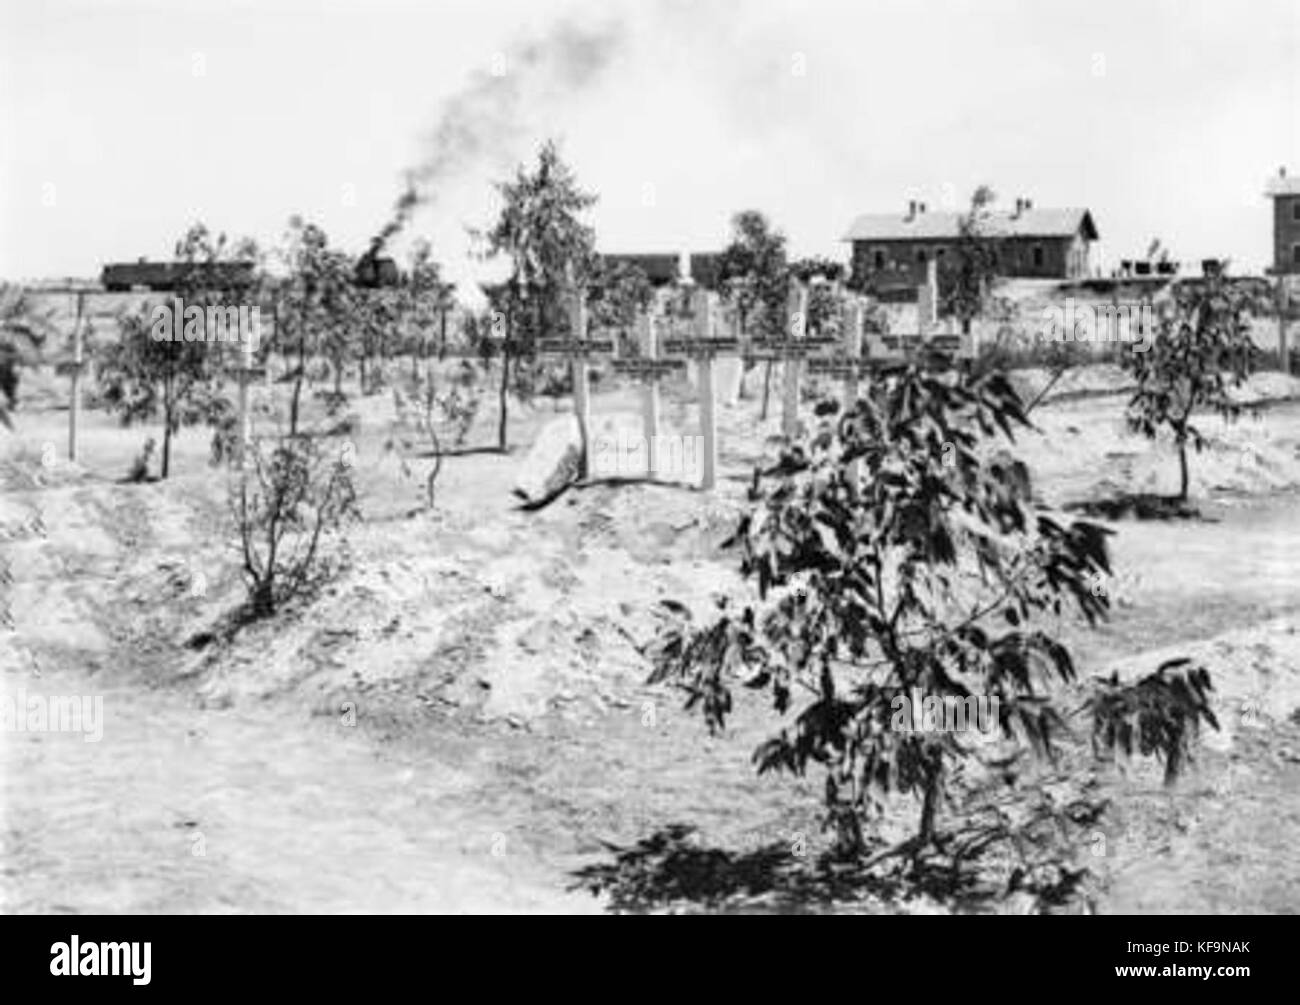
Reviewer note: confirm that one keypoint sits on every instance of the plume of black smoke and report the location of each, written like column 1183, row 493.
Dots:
column 485, row 118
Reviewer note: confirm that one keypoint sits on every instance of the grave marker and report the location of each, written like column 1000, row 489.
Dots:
column 927, row 298
column 78, row 364
column 791, row 349
column 703, row 348
column 649, row 370
column 577, row 348
column 907, row 347
column 245, row 370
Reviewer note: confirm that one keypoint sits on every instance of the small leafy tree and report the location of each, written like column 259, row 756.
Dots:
column 619, row 293
column 23, row 331
column 316, row 308
column 1201, row 351
column 933, row 572
column 422, row 413
column 825, row 307
column 550, row 249
column 426, row 300
column 291, row 507
column 379, row 317
column 143, row 377
column 754, row 274
column 966, row 277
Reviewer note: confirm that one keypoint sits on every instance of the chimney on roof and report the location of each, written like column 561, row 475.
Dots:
column 1281, row 172
column 920, row 207
column 911, row 211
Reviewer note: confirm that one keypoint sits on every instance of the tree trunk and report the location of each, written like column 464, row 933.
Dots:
column 297, row 388
column 502, row 388
column 442, row 335
column 168, row 408
column 767, row 387
column 1182, row 471
column 930, row 801
column 501, row 402
column 264, row 598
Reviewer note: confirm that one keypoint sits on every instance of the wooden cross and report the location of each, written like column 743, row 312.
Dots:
column 703, row 348
column 577, row 348
column 849, row 364
column 1284, row 356
column 78, row 363
column 791, row 348
column 649, row 370
column 927, row 298
column 73, row 368
column 245, row 371
column 907, row 347
column 926, row 340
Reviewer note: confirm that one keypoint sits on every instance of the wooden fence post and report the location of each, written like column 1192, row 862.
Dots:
column 797, row 329
column 578, row 369
column 852, row 324
column 74, row 403
column 704, row 321
column 650, row 394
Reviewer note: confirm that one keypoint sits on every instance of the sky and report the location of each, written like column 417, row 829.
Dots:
column 123, row 121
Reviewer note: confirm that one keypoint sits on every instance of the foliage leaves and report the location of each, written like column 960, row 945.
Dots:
column 897, row 551
column 289, row 509
column 1201, row 351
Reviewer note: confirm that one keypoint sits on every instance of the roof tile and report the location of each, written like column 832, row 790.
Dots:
column 946, row 226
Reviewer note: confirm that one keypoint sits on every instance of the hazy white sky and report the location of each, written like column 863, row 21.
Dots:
column 122, row 121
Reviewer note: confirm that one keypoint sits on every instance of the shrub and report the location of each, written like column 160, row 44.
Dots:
column 930, row 571
column 291, row 506
column 456, row 407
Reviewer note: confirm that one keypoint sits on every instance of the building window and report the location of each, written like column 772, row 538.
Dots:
column 1295, row 211
column 1038, row 256
column 879, row 258
column 920, row 256
column 1295, row 256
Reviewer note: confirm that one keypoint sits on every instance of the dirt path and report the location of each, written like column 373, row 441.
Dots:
column 260, row 807
column 179, row 809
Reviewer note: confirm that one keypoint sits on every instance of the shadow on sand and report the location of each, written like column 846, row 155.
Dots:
column 1138, row 506
column 670, row 871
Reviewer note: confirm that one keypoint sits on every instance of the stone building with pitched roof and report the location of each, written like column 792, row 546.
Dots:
column 891, row 251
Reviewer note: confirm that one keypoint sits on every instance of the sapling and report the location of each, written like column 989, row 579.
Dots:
column 932, row 572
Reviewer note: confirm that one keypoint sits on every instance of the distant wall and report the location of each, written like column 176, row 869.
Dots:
column 1286, row 233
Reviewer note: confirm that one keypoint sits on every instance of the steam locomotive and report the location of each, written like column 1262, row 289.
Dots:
column 374, row 271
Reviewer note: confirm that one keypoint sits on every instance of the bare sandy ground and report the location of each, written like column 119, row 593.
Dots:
column 488, row 659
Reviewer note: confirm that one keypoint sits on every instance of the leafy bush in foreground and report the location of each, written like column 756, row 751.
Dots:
column 931, row 572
